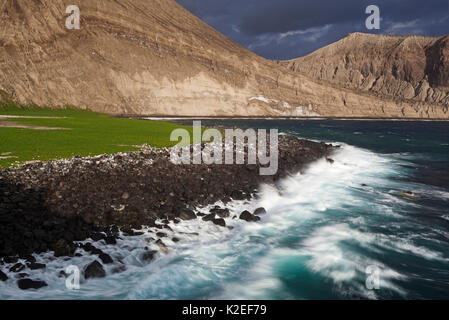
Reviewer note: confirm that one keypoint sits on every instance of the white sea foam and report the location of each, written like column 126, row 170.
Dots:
column 309, row 197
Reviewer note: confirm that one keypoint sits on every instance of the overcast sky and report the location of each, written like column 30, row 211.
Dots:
column 285, row 29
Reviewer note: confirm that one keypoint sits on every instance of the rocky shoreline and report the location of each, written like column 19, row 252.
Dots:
column 66, row 206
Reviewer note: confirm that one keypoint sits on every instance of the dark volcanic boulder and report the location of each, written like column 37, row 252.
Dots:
column 260, row 211
column 29, row 258
column 110, row 240
column 247, row 216
column 36, row 266
column 17, row 267
column 90, row 248
column 219, row 222
column 94, row 270
column 97, row 236
column 209, row 217
column 148, row 255
column 119, row 269
column 10, row 259
column 3, row 277
column 26, row 284
column 187, row 214
column 62, row 274
column 237, row 195
column 105, row 258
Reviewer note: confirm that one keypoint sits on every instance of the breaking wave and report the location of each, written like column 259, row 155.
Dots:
column 323, row 229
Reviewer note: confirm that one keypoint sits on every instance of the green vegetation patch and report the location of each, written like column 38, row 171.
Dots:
column 88, row 134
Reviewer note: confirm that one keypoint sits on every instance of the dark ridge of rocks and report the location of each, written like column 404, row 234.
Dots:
column 28, row 226
column 25, row 284
column 94, row 270
column 51, row 206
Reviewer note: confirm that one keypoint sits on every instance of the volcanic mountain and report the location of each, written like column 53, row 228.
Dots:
column 409, row 68
column 153, row 57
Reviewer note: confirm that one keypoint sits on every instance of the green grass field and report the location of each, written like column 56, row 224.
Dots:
column 90, row 134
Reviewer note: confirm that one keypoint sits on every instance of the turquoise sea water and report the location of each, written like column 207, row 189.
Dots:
column 337, row 220
column 325, row 228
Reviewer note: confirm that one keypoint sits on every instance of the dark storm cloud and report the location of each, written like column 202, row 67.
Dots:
column 288, row 15
column 298, row 15
column 284, row 29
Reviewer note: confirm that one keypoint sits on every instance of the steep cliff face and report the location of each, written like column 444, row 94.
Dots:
column 409, row 68
column 153, row 57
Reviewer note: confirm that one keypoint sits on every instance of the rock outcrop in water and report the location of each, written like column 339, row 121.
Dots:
column 52, row 206
column 153, row 57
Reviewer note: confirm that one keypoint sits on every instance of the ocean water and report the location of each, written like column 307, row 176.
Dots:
column 345, row 230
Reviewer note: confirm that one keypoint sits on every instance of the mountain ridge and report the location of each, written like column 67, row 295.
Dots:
column 156, row 58
column 408, row 67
